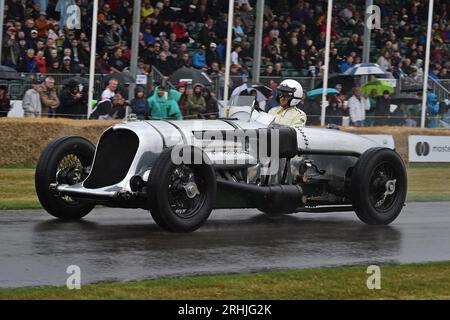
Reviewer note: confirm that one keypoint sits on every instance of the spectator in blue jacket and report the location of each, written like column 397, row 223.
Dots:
column 346, row 64
column 30, row 64
column 446, row 114
column 200, row 58
column 140, row 105
column 432, row 109
column 149, row 39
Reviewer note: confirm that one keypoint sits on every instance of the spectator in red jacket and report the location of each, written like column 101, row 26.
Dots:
column 41, row 62
column 179, row 29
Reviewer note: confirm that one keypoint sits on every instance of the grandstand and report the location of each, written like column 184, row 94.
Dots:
column 290, row 27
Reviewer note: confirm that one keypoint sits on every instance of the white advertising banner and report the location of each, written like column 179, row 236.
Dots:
column 429, row 148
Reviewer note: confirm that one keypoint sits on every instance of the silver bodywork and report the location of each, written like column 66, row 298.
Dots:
column 154, row 136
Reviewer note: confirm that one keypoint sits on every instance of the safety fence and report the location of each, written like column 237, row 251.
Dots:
column 16, row 90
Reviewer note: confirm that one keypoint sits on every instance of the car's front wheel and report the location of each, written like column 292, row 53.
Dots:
column 65, row 160
column 379, row 186
column 180, row 195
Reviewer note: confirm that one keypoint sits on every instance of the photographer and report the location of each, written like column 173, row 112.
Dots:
column 272, row 52
column 72, row 101
column 109, row 109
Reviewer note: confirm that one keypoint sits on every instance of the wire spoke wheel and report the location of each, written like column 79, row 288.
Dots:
column 181, row 196
column 71, row 171
column 185, row 196
column 382, row 184
column 65, row 161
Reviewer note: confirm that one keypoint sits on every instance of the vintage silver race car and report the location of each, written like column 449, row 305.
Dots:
column 181, row 170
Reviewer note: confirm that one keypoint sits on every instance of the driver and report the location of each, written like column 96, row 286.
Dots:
column 291, row 94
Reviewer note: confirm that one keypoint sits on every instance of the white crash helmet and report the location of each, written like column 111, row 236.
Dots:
column 293, row 89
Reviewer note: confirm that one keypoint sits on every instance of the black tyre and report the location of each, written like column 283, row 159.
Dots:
column 379, row 186
column 65, row 160
column 180, row 196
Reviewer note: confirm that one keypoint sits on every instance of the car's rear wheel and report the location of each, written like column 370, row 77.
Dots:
column 65, row 160
column 379, row 186
column 180, row 195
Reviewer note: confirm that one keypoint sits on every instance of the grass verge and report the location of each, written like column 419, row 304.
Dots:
column 19, row 204
column 429, row 182
column 17, row 188
column 414, row 281
column 426, row 183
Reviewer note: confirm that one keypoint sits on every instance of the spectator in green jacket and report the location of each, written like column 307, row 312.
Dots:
column 164, row 105
column 196, row 102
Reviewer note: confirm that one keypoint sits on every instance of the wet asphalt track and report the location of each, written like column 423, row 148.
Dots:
column 120, row 245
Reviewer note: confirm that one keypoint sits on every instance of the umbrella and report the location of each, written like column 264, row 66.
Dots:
column 8, row 73
column 346, row 81
column 364, row 69
column 263, row 92
column 122, row 77
column 379, row 85
column 77, row 80
column 319, row 92
column 190, row 76
column 407, row 99
column 263, row 89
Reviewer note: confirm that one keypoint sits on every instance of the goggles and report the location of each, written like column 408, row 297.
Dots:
column 285, row 92
column 285, row 95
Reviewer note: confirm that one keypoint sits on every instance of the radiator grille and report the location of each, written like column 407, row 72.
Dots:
column 115, row 154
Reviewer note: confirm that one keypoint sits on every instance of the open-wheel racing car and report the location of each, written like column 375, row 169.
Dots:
column 181, row 170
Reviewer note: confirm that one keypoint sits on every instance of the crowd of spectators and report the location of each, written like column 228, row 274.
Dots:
column 184, row 102
column 193, row 33
column 192, row 102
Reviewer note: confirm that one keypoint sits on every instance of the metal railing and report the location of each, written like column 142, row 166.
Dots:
column 404, row 85
column 445, row 83
column 441, row 88
column 156, row 77
column 17, row 88
column 235, row 81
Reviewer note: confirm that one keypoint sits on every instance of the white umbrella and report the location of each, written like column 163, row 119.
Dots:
column 261, row 91
column 365, row 69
